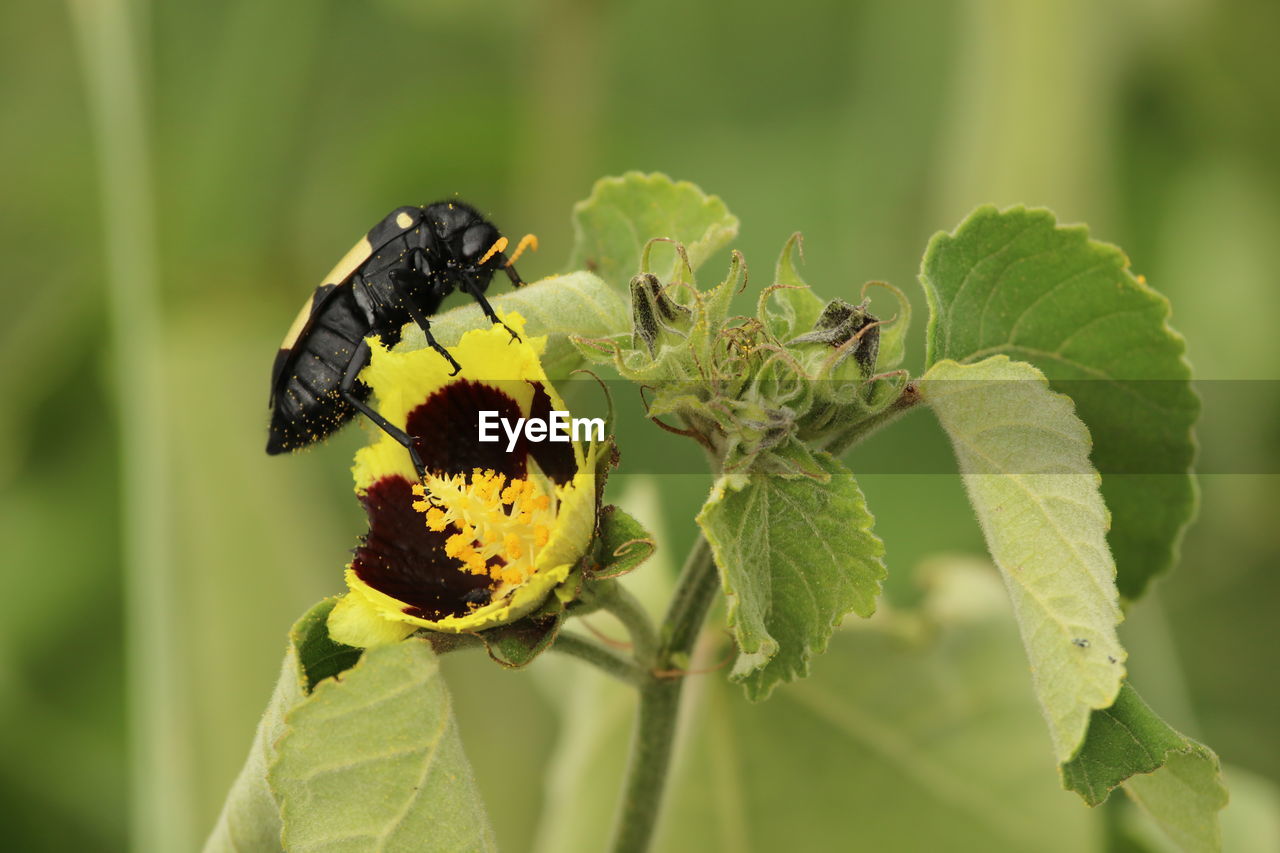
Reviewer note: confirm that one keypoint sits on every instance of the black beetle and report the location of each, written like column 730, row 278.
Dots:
column 399, row 272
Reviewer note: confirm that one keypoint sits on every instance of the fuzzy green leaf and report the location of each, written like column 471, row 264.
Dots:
column 373, row 761
column 1013, row 282
column 612, row 225
column 250, row 819
column 1174, row 779
column 914, row 732
column 562, row 305
column 795, row 556
column 1025, row 460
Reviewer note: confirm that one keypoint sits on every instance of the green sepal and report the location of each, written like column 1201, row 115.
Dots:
column 516, row 645
column 789, row 307
column 319, row 656
column 622, row 545
column 893, row 331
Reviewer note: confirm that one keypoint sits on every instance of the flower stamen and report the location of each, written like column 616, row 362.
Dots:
column 500, row 522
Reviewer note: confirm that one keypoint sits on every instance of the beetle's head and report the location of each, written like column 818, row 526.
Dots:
column 477, row 245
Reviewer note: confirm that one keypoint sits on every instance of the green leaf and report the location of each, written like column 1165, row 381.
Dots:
column 1025, row 460
column 374, row 761
column 613, row 224
column 562, row 305
column 795, row 556
column 250, row 819
column 1013, row 282
column 623, row 544
column 1174, row 779
column 914, row 732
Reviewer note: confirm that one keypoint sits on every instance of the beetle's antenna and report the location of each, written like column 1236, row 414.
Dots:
column 528, row 241
column 497, row 247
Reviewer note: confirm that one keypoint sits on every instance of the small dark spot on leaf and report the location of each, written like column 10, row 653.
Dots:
column 1080, row 643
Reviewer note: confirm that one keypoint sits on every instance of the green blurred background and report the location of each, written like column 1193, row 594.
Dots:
column 179, row 175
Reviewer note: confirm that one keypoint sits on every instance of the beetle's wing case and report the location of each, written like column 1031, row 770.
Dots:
column 391, row 226
column 301, row 325
column 394, row 224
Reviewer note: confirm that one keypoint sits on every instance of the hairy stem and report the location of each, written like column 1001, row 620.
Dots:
column 566, row 642
column 600, row 657
column 614, row 598
column 655, row 731
column 906, row 401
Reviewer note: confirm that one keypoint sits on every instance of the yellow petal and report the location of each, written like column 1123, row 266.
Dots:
column 575, row 518
column 402, row 381
column 353, row 621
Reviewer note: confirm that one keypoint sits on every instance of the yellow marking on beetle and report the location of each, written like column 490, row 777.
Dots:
column 359, row 253
column 497, row 247
column 528, row 241
column 299, row 323
column 403, row 219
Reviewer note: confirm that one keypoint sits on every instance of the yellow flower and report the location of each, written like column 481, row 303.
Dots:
column 489, row 533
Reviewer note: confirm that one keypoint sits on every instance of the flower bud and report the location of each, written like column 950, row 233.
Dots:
column 654, row 315
column 846, row 327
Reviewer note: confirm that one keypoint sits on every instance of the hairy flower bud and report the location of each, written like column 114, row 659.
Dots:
column 846, row 327
column 655, row 315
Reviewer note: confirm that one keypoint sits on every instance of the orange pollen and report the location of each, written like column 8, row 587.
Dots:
column 491, row 516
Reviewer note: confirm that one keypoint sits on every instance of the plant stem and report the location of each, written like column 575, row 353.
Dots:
column 655, row 731
column 689, row 605
column 615, row 598
column 598, row 656
column 906, row 401
column 111, row 42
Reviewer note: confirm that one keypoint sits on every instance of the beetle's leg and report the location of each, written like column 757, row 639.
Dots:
column 358, row 361
column 469, row 285
column 399, row 278
column 420, row 261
